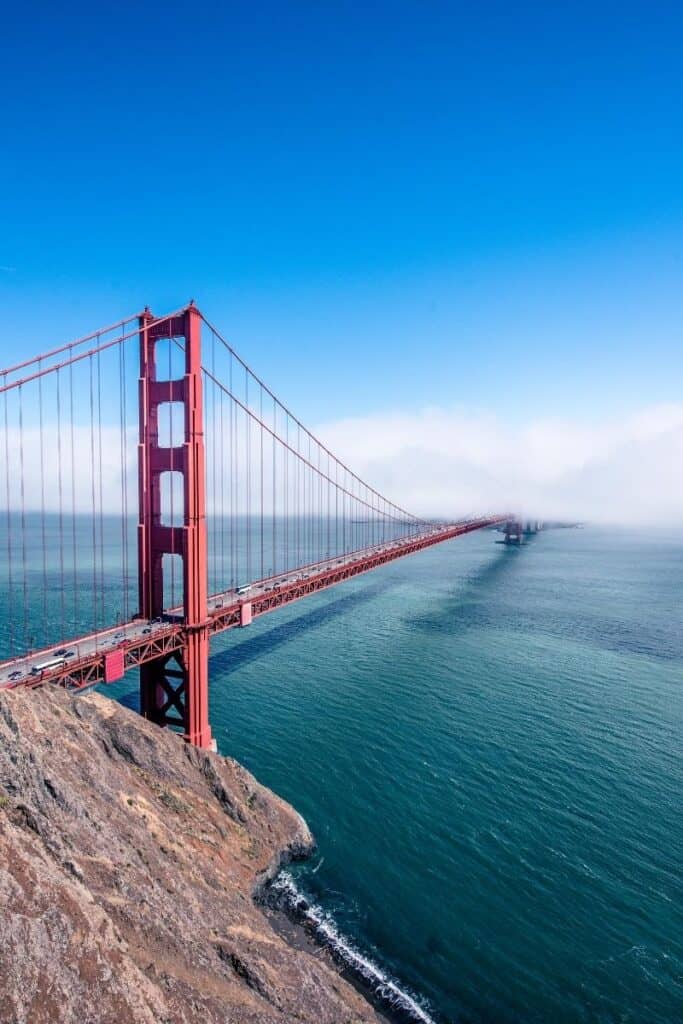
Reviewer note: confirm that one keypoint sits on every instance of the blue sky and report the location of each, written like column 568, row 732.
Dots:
column 385, row 206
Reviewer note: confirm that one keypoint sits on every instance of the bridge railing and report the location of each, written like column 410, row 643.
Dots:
column 277, row 498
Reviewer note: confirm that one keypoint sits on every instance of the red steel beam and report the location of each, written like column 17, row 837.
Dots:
column 178, row 678
column 167, row 638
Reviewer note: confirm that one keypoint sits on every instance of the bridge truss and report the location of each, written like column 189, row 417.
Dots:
column 157, row 492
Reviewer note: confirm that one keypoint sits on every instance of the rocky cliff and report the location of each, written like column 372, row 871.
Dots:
column 128, row 864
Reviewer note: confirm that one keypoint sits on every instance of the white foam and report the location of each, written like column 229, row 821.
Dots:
column 327, row 931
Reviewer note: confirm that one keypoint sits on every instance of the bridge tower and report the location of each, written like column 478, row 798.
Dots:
column 174, row 689
column 513, row 531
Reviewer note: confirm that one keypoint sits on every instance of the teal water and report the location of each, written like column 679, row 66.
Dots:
column 486, row 743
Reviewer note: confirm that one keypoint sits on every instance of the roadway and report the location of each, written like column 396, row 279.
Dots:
column 83, row 661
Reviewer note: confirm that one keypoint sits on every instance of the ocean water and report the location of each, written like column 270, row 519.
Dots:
column 486, row 742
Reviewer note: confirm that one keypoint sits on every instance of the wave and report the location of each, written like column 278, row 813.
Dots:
column 384, row 988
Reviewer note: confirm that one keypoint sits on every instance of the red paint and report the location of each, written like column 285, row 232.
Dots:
column 167, row 642
column 173, row 654
column 174, row 687
column 114, row 666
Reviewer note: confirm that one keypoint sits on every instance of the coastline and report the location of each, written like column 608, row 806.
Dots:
column 305, row 928
column 113, row 848
column 140, row 858
column 299, row 937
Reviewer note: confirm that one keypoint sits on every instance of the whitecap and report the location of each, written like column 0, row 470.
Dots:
column 326, row 930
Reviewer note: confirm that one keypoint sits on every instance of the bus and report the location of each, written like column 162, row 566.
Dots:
column 45, row 666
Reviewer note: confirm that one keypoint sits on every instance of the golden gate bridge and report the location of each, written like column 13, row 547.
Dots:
column 149, row 453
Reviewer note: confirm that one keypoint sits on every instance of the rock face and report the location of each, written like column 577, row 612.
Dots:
column 128, row 862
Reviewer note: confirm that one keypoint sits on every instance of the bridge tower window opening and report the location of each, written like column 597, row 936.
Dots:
column 171, row 425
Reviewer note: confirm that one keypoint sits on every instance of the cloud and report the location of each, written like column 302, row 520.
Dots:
column 434, row 462
column 34, row 460
column 450, row 461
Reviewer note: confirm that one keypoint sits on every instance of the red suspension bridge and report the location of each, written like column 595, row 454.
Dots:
column 156, row 493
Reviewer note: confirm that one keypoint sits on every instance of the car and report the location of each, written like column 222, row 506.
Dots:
column 15, row 675
column 147, row 629
column 157, row 620
column 117, row 636
column 61, row 653
column 218, row 604
column 69, row 654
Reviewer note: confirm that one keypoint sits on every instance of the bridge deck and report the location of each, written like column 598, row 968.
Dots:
column 139, row 640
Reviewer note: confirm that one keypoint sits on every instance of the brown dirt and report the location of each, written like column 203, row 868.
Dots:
column 128, row 863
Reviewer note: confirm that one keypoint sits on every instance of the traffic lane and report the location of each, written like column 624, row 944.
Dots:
column 115, row 636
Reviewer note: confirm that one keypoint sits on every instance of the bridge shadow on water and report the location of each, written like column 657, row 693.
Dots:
column 252, row 648
column 469, row 607
column 235, row 656
column 444, row 617
column 466, row 609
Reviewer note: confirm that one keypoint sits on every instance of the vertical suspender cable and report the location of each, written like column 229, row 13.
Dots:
column 10, row 590
column 42, row 497
column 72, row 440
column 298, row 495
column 223, row 580
column 366, row 516
column 122, row 469
column 214, row 453
column 239, row 532
column 261, row 469
column 285, row 481
column 60, row 500
column 274, row 489
column 231, row 409
column 346, row 543
column 240, row 480
column 320, row 510
column 101, row 472
column 92, row 492
column 22, row 485
column 249, row 480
